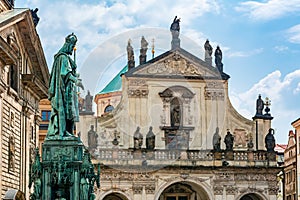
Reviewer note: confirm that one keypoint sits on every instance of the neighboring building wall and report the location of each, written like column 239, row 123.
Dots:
column 290, row 168
column 45, row 112
column 296, row 125
column 105, row 100
column 24, row 78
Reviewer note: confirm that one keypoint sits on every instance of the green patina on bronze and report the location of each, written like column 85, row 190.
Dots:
column 63, row 92
column 66, row 171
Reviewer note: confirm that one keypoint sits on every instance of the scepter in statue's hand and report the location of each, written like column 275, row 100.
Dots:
column 79, row 81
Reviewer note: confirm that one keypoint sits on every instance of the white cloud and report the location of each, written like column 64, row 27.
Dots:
column 269, row 10
column 231, row 54
column 281, row 48
column 293, row 34
column 297, row 89
column 95, row 23
column 279, row 89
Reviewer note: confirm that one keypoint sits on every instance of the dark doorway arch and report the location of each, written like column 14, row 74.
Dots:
column 251, row 196
column 115, row 196
column 184, row 191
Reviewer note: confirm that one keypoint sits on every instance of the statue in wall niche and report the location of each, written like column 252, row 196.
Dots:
column 138, row 139
column 63, row 87
column 259, row 105
column 217, row 140
column 270, row 141
column 218, row 59
column 92, row 138
column 150, row 139
column 208, row 49
column 228, row 140
column 175, row 116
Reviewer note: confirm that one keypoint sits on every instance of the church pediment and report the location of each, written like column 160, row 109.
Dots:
column 178, row 64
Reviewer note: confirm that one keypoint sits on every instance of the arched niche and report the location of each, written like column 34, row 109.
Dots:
column 177, row 117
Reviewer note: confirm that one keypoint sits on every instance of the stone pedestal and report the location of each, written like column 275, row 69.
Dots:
column 62, row 160
column 65, row 172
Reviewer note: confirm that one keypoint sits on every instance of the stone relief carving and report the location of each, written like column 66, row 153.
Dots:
column 150, row 188
column 273, row 188
column 240, row 137
column 137, row 189
column 138, row 92
column 218, row 190
column 224, row 176
column 138, row 88
column 175, row 65
column 230, row 190
column 137, row 82
column 214, row 91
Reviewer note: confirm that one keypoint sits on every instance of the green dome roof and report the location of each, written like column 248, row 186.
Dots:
column 115, row 84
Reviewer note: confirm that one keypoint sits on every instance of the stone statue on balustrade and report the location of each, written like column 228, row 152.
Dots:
column 138, row 139
column 228, row 140
column 92, row 138
column 150, row 139
column 259, row 105
column 270, row 141
column 175, row 29
column 218, row 59
column 217, row 140
column 63, row 87
column 208, row 49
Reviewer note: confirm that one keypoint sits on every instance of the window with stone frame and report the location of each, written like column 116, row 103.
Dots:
column 14, row 77
column 46, row 115
column 108, row 109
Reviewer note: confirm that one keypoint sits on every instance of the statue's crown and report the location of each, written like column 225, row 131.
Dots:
column 71, row 39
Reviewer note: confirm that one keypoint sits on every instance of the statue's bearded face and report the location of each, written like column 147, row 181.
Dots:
column 70, row 48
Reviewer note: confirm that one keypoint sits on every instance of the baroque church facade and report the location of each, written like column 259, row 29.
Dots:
column 174, row 135
column 24, row 79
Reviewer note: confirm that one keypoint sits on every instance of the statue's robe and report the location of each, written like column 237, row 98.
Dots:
column 62, row 94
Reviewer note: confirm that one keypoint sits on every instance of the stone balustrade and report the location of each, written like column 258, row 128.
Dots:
column 185, row 157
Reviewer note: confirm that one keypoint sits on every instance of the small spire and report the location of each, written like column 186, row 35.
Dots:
column 153, row 51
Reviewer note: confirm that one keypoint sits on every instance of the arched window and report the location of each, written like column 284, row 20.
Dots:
column 176, row 112
column 108, row 108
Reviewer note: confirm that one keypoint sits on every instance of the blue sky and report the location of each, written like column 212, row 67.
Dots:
column 260, row 41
